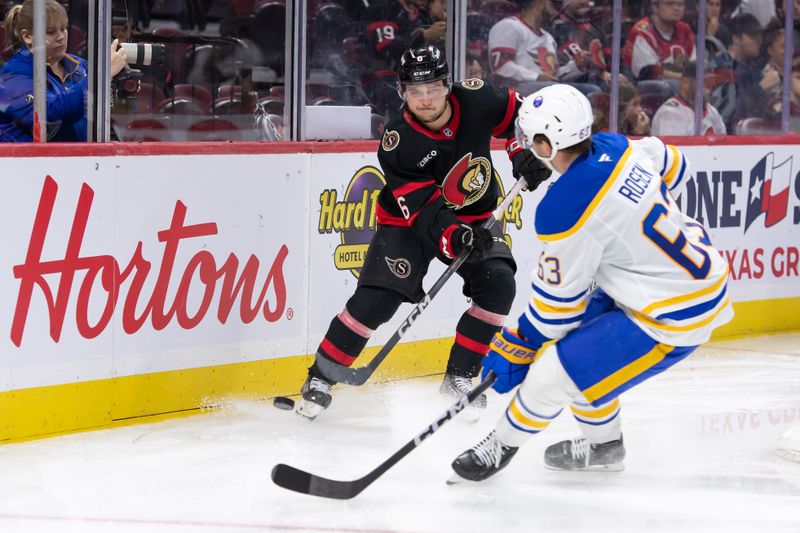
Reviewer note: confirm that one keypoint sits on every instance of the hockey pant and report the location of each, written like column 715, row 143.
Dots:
column 587, row 370
column 491, row 286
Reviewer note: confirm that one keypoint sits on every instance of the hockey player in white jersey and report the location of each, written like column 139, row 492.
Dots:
column 609, row 219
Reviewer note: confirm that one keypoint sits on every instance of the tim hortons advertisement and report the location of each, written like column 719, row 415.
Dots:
column 343, row 197
column 749, row 199
column 117, row 266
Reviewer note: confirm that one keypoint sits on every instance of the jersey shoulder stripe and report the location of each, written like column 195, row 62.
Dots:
column 577, row 193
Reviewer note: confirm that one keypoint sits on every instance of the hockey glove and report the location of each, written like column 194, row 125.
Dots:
column 526, row 166
column 458, row 237
column 510, row 356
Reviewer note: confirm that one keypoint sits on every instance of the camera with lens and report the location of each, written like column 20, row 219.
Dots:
column 144, row 54
column 126, row 84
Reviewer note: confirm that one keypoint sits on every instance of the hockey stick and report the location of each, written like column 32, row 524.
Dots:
column 292, row 478
column 358, row 376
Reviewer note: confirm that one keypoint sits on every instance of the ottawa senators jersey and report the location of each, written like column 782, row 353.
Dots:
column 647, row 47
column 434, row 178
column 392, row 28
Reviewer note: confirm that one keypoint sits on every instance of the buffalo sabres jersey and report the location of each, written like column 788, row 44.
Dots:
column 611, row 218
column 432, row 177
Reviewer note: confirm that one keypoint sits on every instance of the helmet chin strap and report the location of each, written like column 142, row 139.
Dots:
column 548, row 161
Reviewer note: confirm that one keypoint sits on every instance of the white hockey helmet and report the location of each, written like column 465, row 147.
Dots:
column 559, row 112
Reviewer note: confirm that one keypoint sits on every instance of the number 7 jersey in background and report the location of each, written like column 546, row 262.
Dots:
column 611, row 218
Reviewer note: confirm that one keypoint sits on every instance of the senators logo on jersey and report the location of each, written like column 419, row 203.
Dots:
column 467, row 181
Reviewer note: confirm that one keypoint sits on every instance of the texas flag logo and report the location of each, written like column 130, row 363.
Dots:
column 769, row 191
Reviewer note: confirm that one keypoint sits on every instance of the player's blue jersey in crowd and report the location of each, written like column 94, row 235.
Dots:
column 611, row 218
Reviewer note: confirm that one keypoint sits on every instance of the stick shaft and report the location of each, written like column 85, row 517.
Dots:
column 297, row 480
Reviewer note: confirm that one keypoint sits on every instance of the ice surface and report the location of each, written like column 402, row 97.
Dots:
column 700, row 440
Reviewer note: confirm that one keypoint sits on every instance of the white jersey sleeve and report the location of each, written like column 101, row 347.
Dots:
column 643, row 55
column 561, row 290
column 610, row 218
column 669, row 162
column 676, row 118
column 516, row 52
column 506, row 42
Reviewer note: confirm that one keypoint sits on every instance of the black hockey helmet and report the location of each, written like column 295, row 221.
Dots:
column 423, row 65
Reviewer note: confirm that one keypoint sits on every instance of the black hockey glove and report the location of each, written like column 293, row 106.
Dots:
column 526, row 166
column 459, row 237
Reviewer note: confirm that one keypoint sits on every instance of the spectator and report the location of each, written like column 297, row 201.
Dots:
column 772, row 54
column 796, row 19
column 575, row 23
column 659, row 44
column 575, row 30
column 67, row 81
column 746, row 39
column 474, row 69
column 631, row 118
column 634, row 121
column 715, row 28
column 392, row 26
column 523, row 54
column 794, row 100
column 437, row 14
column 676, row 115
column 395, row 25
column 762, row 10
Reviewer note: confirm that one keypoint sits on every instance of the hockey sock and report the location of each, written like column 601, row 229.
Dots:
column 350, row 330
column 538, row 400
column 598, row 424
column 474, row 332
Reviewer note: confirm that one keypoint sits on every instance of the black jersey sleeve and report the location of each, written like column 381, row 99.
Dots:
column 417, row 197
column 502, row 106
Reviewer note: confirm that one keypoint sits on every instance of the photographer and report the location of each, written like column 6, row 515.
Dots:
column 67, row 80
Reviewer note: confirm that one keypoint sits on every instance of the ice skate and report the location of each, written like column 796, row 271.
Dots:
column 579, row 454
column 454, row 387
column 315, row 396
column 482, row 460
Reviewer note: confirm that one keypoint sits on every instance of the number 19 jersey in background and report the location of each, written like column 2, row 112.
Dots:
column 611, row 218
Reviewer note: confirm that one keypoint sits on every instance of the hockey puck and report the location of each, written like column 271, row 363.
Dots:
column 282, row 402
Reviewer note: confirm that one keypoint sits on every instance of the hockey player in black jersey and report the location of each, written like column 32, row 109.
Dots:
column 439, row 189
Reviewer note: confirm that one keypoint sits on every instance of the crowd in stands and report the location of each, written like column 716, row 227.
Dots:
column 226, row 57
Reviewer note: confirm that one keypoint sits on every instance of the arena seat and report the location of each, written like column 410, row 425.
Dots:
column 242, row 8
column 76, row 41
column 272, row 104
column 146, row 130
column 199, row 93
column 229, row 90
column 214, row 129
column 756, row 126
column 148, row 98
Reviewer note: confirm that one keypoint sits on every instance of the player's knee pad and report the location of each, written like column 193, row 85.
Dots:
column 492, row 286
column 373, row 306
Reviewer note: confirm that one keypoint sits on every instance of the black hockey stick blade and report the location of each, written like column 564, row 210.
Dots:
column 358, row 376
column 297, row 480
